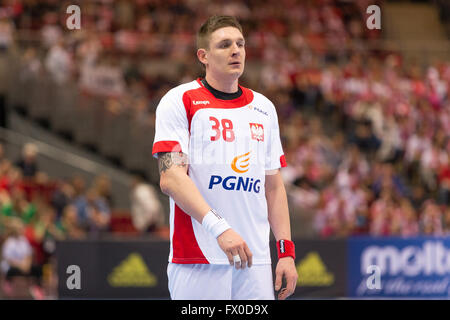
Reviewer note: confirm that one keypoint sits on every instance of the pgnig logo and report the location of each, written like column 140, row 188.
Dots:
column 240, row 164
column 236, row 183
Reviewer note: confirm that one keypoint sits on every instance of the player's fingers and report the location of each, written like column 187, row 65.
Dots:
column 244, row 258
column 290, row 287
column 278, row 279
column 230, row 257
column 236, row 258
column 283, row 294
column 249, row 256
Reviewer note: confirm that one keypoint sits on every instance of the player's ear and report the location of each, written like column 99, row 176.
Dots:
column 202, row 57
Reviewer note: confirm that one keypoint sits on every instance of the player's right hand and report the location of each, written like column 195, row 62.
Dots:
column 232, row 244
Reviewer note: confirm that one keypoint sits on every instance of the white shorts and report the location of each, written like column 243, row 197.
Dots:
column 220, row 282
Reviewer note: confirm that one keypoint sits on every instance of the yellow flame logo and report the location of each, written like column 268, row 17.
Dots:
column 240, row 163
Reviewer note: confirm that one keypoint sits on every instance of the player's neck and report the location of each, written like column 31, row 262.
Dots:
column 224, row 86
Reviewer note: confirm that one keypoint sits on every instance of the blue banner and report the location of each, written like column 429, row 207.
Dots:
column 399, row 267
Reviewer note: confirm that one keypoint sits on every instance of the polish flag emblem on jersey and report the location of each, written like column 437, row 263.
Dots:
column 257, row 131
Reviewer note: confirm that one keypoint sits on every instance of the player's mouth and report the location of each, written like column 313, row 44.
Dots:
column 237, row 63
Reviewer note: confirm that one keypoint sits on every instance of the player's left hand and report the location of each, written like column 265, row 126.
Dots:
column 285, row 269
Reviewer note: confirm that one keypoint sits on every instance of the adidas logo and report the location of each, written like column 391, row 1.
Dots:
column 313, row 272
column 132, row 272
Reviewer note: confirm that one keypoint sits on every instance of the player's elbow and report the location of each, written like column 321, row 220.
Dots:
column 167, row 184
column 171, row 180
column 164, row 185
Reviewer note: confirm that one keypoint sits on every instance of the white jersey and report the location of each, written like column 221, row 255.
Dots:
column 230, row 145
column 14, row 248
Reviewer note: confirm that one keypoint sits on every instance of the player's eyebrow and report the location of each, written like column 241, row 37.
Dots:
column 230, row 40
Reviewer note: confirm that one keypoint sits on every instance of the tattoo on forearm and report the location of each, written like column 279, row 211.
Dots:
column 167, row 159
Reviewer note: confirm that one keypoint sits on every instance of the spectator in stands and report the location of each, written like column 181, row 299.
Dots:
column 98, row 213
column 6, row 205
column 41, row 233
column 32, row 65
column 364, row 137
column 380, row 213
column 146, row 209
column 28, row 161
column 59, row 63
column 21, row 207
column 15, row 204
column 102, row 185
column 360, row 225
column 389, row 179
column 80, row 200
column 418, row 197
column 69, row 224
column 431, row 219
column 409, row 221
column 6, row 34
column 62, row 196
column 14, row 179
column 16, row 261
column 51, row 32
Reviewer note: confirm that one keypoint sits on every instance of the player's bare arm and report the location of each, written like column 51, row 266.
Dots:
column 175, row 182
column 168, row 159
column 279, row 222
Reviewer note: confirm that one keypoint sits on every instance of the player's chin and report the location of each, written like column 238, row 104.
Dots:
column 237, row 72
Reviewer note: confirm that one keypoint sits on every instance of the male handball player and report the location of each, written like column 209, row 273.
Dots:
column 219, row 154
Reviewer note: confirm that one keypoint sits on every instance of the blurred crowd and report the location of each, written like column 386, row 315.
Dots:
column 366, row 135
column 36, row 211
column 385, row 169
column 111, row 54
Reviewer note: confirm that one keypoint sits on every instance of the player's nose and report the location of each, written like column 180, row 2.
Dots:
column 235, row 49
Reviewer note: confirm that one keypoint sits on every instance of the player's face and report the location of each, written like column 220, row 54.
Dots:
column 226, row 54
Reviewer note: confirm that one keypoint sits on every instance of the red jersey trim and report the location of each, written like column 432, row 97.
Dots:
column 210, row 101
column 283, row 161
column 185, row 249
column 166, row 146
column 245, row 98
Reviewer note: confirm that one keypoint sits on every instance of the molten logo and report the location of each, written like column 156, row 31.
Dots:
column 240, row 163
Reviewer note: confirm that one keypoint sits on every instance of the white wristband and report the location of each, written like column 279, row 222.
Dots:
column 215, row 224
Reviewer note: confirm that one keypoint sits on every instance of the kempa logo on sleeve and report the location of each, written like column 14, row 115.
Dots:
column 205, row 102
